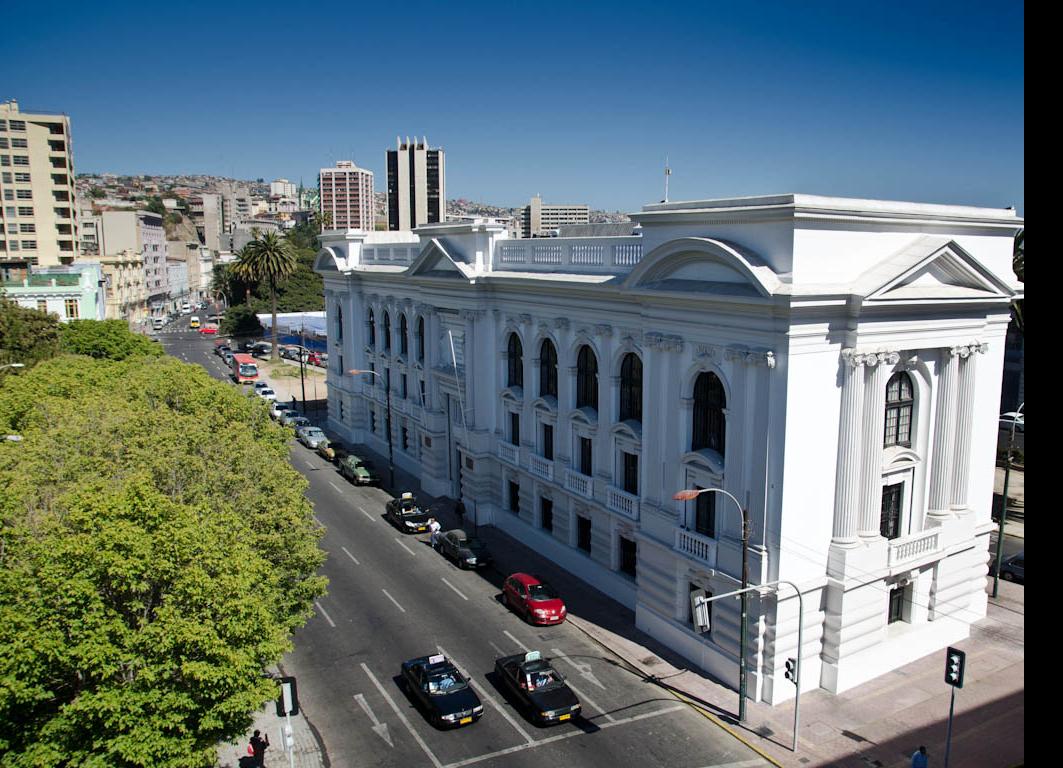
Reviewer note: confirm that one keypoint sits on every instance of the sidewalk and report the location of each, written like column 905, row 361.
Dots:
column 307, row 751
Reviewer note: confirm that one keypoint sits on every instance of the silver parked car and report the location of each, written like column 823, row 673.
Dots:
column 311, row 436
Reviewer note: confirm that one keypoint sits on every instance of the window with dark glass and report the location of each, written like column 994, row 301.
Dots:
column 547, row 369
column 896, row 608
column 514, row 362
column 372, row 330
column 404, row 336
column 586, row 378
column 514, row 497
column 890, row 520
column 546, row 514
column 548, row 442
column 420, row 339
column 372, row 421
column 405, row 439
column 514, row 428
column 628, row 556
column 631, row 473
column 899, row 403
column 387, row 332
column 631, row 388
column 423, row 403
column 339, row 323
column 583, row 533
column 709, row 423
column 586, row 462
column 705, row 514
column 405, row 390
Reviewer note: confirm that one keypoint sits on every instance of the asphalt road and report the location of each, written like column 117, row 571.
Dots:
column 391, row 597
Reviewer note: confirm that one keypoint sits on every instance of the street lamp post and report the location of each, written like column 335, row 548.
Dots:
column 391, row 446
column 1004, row 504
column 693, row 493
column 12, row 365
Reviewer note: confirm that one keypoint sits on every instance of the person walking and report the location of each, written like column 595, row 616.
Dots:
column 433, row 528
column 920, row 758
column 259, row 745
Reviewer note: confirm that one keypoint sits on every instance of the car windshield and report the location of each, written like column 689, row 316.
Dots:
column 314, row 433
column 541, row 592
column 475, row 545
column 248, row 369
column 446, row 682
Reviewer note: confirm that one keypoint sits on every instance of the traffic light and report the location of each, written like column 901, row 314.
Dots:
column 288, row 698
column 791, row 670
column 955, row 661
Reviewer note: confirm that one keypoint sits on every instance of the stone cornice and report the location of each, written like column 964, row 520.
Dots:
column 664, row 342
column 870, row 359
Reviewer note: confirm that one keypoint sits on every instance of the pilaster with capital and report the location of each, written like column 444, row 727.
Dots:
column 961, row 474
column 850, row 450
column 942, row 465
column 878, row 366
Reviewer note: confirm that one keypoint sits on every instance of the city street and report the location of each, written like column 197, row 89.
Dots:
column 391, row 597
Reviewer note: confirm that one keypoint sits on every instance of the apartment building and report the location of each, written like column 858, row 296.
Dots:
column 140, row 233
column 209, row 217
column 282, row 188
column 417, row 186
column 38, row 217
column 347, row 197
column 74, row 292
column 541, row 220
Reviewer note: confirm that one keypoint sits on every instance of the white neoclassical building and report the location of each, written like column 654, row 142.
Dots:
column 835, row 364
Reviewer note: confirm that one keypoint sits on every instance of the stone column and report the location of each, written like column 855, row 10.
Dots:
column 964, row 424
column 878, row 366
column 850, row 450
column 944, row 436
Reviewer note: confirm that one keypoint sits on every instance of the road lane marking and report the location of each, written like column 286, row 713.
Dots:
column 498, row 650
column 563, row 736
column 308, row 464
column 520, row 645
column 393, row 600
column 379, row 728
column 335, row 487
column 367, row 514
column 487, row 697
column 402, row 717
column 454, row 588
column 325, row 614
column 586, row 700
column 348, row 553
column 402, row 544
column 583, row 669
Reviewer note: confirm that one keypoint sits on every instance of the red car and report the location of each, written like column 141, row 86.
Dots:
column 208, row 330
column 533, row 599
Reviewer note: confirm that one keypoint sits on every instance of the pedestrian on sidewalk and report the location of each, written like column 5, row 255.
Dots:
column 919, row 758
column 433, row 529
column 259, row 745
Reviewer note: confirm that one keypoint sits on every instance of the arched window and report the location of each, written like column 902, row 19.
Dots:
column 709, row 423
column 899, row 401
column 420, row 339
column 387, row 332
column 547, row 369
column 371, row 321
column 514, row 362
column 631, row 388
column 404, row 336
column 586, row 378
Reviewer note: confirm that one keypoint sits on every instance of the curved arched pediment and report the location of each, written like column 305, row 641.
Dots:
column 898, row 457
column 629, row 428
column 706, row 459
column 546, row 403
column 585, row 415
column 704, row 266
column 516, row 394
column 330, row 259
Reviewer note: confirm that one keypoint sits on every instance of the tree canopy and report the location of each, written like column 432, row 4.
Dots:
column 156, row 552
column 108, row 339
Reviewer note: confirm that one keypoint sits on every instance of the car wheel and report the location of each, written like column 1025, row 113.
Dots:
column 1007, row 576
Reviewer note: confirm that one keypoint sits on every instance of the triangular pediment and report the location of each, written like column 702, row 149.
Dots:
column 931, row 268
column 434, row 261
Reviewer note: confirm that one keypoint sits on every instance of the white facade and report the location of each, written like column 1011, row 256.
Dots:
column 832, row 363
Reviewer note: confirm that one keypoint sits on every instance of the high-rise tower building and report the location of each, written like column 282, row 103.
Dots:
column 38, row 218
column 347, row 197
column 417, row 186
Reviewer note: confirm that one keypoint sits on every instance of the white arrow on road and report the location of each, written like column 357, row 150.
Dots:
column 379, row 728
column 582, row 668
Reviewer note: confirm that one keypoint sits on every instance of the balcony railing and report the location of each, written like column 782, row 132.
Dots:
column 695, row 545
column 578, row 483
column 912, row 547
column 541, row 467
column 622, row 502
column 509, row 453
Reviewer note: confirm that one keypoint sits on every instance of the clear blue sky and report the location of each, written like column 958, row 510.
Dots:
column 580, row 102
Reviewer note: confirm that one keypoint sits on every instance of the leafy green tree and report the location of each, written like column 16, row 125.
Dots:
column 269, row 259
column 110, row 339
column 96, row 193
column 26, row 335
column 240, row 320
column 156, row 205
column 156, row 553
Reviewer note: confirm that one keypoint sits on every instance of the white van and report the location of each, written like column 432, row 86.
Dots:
column 156, row 324
column 186, row 308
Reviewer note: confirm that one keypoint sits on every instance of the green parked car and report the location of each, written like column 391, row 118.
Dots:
column 352, row 468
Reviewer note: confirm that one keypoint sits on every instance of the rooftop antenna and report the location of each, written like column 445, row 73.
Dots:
column 667, row 173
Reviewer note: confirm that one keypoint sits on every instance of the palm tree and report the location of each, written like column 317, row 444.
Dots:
column 269, row 258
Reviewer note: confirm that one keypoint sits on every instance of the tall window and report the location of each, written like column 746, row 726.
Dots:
column 71, row 307
column 705, row 514
column 420, row 339
column 339, row 323
column 896, row 606
column 709, row 422
column 631, row 388
column 585, row 456
column 631, row 473
column 514, row 498
column 548, row 442
column 628, row 557
column 372, row 330
column 515, row 362
column 583, row 533
column 890, row 520
column 546, row 514
column 387, row 332
column 899, row 403
column 404, row 336
column 586, row 378
column 547, row 369
column 514, row 428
